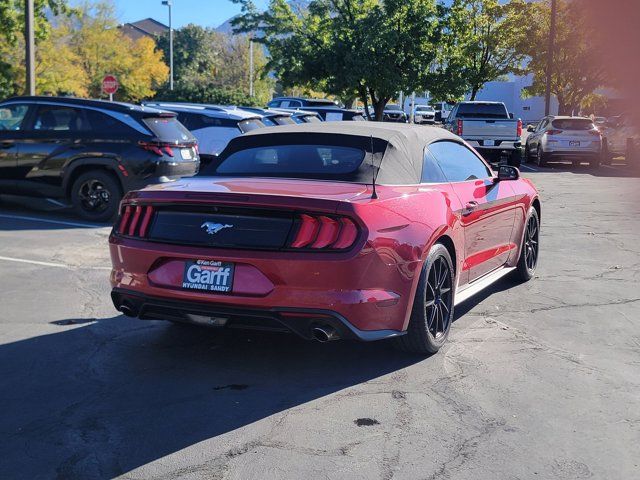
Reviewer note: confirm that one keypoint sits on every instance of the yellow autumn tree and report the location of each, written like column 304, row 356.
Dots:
column 102, row 49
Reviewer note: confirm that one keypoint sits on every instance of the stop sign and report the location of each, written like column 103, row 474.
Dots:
column 109, row 84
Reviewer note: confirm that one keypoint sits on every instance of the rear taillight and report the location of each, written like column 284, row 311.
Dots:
column 321, row 232
column 519, row 129
column 158, row 148
column 595, row 132
column 554, row 132
column 459, row 130
column 135, row 220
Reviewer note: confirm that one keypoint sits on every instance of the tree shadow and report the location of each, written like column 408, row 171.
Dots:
column 104, row 397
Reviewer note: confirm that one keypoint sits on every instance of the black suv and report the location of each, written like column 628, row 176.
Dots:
column 328, row 110
column 89, row 151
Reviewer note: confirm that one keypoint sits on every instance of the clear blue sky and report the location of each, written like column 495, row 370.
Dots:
column 208, row 13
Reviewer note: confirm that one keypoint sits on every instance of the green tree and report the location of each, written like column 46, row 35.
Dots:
column 213, row 67
column 575, row 76
column 12, row 72
column 366, row 48
column 483, row 39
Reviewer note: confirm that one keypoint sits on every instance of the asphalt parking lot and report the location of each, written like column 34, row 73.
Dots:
column 540, row 380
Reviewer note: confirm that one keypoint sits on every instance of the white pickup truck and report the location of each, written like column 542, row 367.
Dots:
column 489, row 128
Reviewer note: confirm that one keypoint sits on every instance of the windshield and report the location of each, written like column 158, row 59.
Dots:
column 573, row 124
column 482, row 110
column 168, row 129
column 300, row 161
column 424, row 109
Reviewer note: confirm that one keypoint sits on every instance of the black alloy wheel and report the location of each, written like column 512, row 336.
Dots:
column 432, row 311
column 96, row 195
column 439, row 298
column 529, row 253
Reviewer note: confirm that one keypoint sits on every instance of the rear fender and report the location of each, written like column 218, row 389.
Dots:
column 107, row 163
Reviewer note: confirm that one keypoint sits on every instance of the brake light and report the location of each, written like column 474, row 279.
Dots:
column 158, row 148
column 519, row 128
column 135, row 218
column 168, row 150
column 322, row 232
column 459, row 130
column 554, row 132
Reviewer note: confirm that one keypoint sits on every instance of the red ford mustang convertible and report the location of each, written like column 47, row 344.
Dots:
column 336, row 230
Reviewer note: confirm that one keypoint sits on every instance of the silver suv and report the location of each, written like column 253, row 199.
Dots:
column 557, row 138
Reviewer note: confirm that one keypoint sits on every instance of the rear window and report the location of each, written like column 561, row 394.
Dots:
column 292, row 161
column 482, row 110
column 573, row 124
column 168, row 129
column 284, row 120
column 251, row 124
column 320, row 103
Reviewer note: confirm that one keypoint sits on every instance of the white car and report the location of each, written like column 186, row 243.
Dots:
column 424, row 114
column 564, row 138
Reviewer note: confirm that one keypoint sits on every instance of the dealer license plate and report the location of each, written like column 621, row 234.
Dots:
column 489, row 143
column 208, row 276
column 574, row 143
column 186, row 154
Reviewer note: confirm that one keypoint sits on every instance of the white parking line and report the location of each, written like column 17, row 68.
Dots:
column 529, row 168
column 50, row 264
column 46, row 220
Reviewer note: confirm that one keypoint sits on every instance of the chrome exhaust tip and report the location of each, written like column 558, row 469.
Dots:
column 128, row 310
column 324, row 333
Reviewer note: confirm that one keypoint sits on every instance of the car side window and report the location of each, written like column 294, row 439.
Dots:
column 458, row 163
column 431, row 171
column 60, row 118
column 274, row 104
column 102, row 122
column 12, row 116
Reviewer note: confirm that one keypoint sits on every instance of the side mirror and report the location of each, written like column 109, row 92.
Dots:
column 511, row 115
column 507, row 172
column 531, row 128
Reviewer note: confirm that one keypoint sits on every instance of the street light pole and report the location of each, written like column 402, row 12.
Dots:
column 168, row 3
column 250, row 67
column 550, row 48
column 30, row 49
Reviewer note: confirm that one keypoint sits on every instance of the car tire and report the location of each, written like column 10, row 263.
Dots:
column 96, row 195
column 527, row 154
column 541, row 157
column 630, row 155
column 594, row 162
column 606, row 155
column 432, row 311
column 530, row 248
column 515, row 158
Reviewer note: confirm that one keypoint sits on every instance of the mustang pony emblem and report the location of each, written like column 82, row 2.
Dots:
column 213, row 228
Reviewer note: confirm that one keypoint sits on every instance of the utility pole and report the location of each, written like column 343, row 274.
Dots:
column 550, row 49
column 30, row 51
column 250, row 67
column 168, row 3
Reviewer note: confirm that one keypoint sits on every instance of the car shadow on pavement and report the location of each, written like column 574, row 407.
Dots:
column 103, row 397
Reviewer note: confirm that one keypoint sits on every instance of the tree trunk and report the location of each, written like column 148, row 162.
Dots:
column 474, row 92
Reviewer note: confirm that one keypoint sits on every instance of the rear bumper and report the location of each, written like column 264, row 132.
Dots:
column 366, row 294
column 278, row 319
column 499, row 145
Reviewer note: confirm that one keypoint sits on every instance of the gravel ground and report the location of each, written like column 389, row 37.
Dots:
column 540, row 380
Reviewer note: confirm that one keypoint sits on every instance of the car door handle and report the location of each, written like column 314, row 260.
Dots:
column 469, row 207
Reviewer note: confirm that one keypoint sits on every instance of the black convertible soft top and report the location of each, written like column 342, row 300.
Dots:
column 395, row 150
